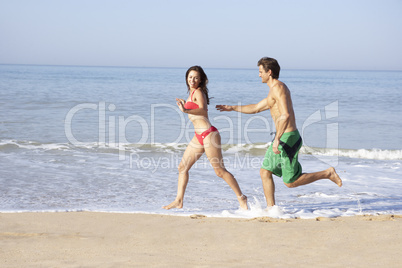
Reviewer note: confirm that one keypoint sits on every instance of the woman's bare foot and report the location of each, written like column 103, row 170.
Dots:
column 243, row 201
column 174, row 204
column 334, row 176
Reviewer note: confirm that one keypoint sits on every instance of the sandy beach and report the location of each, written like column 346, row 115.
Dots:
column 89, row 239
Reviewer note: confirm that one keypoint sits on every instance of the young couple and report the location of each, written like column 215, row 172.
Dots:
column 281, row 158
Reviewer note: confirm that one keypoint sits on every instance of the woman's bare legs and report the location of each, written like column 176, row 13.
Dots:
column 192, row 153
column 212, row 147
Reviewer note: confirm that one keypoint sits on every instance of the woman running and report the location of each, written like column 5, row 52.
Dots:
column 206, row 139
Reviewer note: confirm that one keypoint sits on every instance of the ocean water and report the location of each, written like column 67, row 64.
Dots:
column 110, row 139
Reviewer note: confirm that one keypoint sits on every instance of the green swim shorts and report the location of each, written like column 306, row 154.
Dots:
column 285, row 164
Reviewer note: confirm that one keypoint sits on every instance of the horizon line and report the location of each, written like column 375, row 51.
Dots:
column 168, row 67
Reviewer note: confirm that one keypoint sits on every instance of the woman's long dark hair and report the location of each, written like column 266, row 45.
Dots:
column 204, row 80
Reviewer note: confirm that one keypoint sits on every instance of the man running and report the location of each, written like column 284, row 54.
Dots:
column 281, row 158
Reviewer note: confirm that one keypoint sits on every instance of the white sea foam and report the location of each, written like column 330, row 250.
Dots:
column 257, row 149
column 61, row 177
column 360, row 153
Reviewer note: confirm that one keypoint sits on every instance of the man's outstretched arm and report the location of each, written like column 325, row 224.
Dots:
column 246, row 109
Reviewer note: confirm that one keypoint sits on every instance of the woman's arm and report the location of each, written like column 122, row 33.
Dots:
column 200, row 100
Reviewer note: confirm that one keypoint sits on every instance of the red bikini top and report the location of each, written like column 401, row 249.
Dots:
column 190, row 104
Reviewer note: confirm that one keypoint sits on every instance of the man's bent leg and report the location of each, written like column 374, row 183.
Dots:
column 268, row 186
column 307, row 178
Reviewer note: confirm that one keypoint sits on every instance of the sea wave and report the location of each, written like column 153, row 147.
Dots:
column 376, row 154
column 255, row 149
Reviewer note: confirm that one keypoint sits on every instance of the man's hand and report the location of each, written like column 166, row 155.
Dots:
column 224, row 108
column 275, row 145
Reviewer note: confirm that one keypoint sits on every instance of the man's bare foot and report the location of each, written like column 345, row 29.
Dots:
column 174, row 204
column 243, row 201
column 334, row 176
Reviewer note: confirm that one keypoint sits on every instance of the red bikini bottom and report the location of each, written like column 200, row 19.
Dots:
column 204, row 134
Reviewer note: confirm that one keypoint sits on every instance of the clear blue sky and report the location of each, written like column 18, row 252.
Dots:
column 343, row 34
